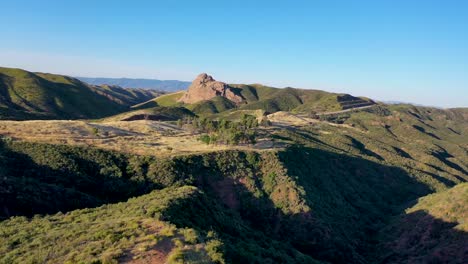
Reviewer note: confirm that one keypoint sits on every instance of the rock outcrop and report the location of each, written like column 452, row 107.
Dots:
column 204, row 87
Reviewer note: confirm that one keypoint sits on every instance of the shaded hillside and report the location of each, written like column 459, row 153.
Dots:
column 27, row 95
column 158, row 113
column 324, row 198
column 435, row 230
column 127, row 96
column 162, row 85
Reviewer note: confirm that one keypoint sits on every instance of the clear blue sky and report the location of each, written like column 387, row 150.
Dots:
column 414, row 51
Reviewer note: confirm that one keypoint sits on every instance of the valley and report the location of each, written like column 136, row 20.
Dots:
column 231, row 173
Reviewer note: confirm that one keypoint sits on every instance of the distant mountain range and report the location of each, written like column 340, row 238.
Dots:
column 163, row 85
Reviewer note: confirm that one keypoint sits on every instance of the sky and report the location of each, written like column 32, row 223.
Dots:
column 391, row 50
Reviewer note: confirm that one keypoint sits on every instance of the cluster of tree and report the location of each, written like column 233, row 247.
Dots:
column 223, row 131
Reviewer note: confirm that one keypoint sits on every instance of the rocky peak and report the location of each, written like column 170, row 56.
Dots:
column 204, row 87
column 203, row 78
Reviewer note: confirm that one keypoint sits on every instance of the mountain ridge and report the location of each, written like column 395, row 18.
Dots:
column 28, row 95
column 212, row 97
column 155, row 84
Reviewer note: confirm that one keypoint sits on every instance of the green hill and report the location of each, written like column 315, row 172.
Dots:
column 333, row 195
column 381, row 184
column 164, row 100
column 133, row 230
column 27, row 95
column 268, row 99
column 297, row 100
column 216, row 105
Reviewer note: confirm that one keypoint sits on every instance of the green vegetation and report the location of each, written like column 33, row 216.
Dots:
column 205, row 214
column 216, row 105
column 384, row 184
column 27, row 95
column 166, row 100
column 223, row 132
column 107, row 234
column 264, row 98
column 329, row 197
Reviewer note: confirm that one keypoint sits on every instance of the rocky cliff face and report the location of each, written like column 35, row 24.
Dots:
column 204, row 87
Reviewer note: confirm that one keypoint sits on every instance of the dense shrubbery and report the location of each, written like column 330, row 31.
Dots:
column 41, row 178
column 107, row 234
column 90, row 173
column 335, row 118
column 326, row 197
column 223, row 131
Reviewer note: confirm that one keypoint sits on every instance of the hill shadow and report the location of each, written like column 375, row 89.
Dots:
column 362, row 148
column 442, row 155
column 423, row 130
column 350, row 200
column 419, row 237
column 28, row 188
column 354, row 197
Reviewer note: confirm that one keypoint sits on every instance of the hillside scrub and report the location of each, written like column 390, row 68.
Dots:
column 337, row 193
column 26, row 95
column 223, row 131
column 108, row 234
column 434, row 230
column 301, row 204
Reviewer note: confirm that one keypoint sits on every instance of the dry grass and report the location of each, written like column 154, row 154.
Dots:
column 145, row 137
column 288, row 119
column 139, row 137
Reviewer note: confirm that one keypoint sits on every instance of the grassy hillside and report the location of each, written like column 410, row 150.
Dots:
column 164, row 100
column 268, row 99
column 216, row 105
column 27, row 95
column 296, row 100
column 384, row 184
column 129, row 231
column 104, row 178
column 330, row 196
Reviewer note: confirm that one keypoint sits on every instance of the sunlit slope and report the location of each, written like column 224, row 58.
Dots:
column 135, row 230
column 268, row 99
column 27, row 95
